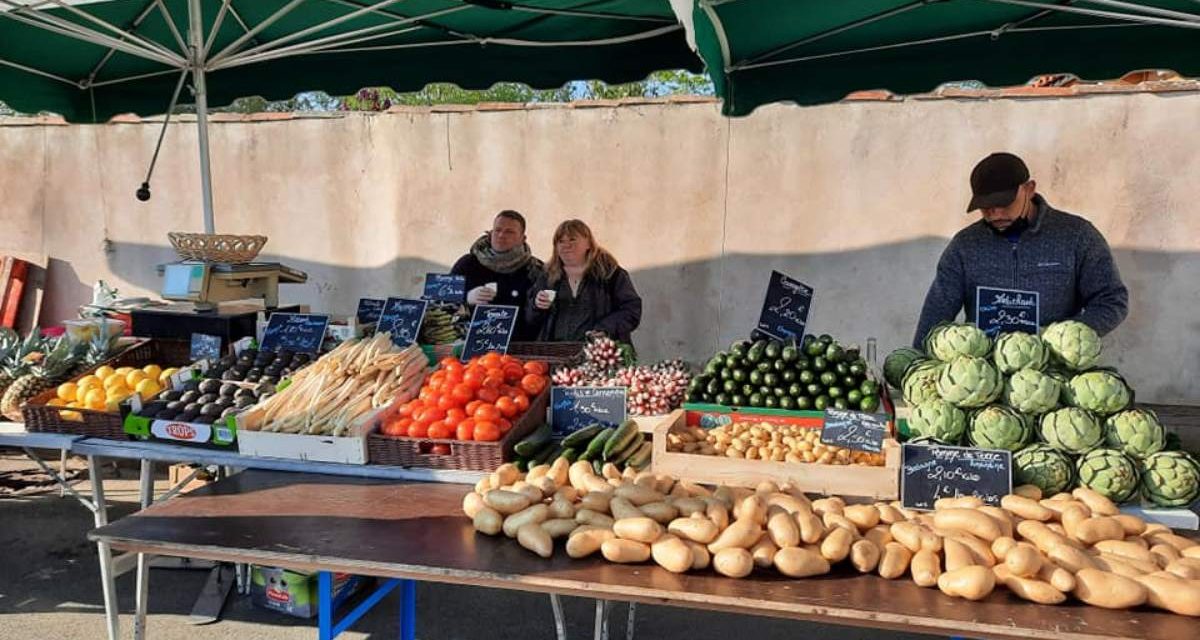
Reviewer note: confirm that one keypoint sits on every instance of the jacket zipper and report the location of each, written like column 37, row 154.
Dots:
column 1015, row 270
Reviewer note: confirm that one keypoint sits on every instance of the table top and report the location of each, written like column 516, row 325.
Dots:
column 417, row 531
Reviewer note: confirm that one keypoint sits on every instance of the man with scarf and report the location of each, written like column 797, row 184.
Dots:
column 1021, row 242
column 501, row 257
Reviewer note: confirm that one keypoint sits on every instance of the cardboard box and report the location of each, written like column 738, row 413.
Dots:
column 177, row 472
column 295, row 593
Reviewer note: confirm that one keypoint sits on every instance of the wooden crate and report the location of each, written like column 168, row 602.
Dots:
column 877, row 483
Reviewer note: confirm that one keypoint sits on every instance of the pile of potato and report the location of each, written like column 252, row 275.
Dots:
column 1043, row 550
column 766, row 441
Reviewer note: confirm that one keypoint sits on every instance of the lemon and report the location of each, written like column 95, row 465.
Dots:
column 89, row 380
column 114, row 381
column 98, row 406
column 56, row 402
column 103, row 372
column 165, row 376
column 134, row 377
column 67, row 390
column 94, row 397
column 152, row 371
column 82, row 390
column 123, row 370
column 72, row 404
column 148, row 388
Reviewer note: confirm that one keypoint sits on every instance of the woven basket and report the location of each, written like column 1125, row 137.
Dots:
column 39, row 417
column 216, row 247
column 464, row 456
column 552, row 353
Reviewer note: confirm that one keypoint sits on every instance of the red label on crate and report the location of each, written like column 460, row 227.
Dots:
column 278, row 595
column 181, row 431
column 187, row 432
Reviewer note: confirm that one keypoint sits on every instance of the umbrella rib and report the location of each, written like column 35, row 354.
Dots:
column 140, row 76
column 882, row 47
column 1166, row 13
column 17, row 65
column 719, row 29
column 171, row 25
column 588, row 14
column 78, row 32
column 317, row 28
column 212, row 36
column 148, row 44
column 275, row 55
column 281, row 12
column 1096, row 13
column 446, row 30
column 242, row 23
column 137, row 22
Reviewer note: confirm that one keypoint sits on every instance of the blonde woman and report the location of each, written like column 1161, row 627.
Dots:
column 583, row 291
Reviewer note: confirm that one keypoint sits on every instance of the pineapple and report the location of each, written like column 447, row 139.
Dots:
column 9, row 343
column 45, row 370
column 13, row 354
column 97, row 350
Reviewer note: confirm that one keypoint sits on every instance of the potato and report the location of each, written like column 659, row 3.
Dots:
column 536, row 514
column 1133, row 525
column 1186, row 568
column 925, row 568
column 560, row 527
column 788, row 502
column 1124, row 549
column 488, row 521
column 639, row 529
column 610, row 472
column 1033, row 492
column 1134, row 567
column 508, row 473
column 1026, row 508
column 639, row 495
column 733, row 562
column 1002, row 518
column 672, row 554
column 1099, row 504
column 546, row 484
column 894, row 561
column 1179, row 542
column 625, row 551
column 663, row 483
column 957, row 554
column 1062, row 495
column 784, row 531
column 795, row 562
column 1058, row 577
column 1095, row 529
column 587, row 540
column 506, row 502
column 975, row 523
column 560, row 507
column 1059, row 506
column 981, row 553
column 597, row 502
column 535, row 473
column 1024, row 560
column 533, row 537
column 1040, row 535
column 1172, row 594
column 1192, row 552
column 829, row 505
column 971, row 583
column 889, row 514
column 717, row 512
column 688, row 506
column 596, row 483
column 559, row 471
column 1002, row 546
column 484, row 485
column 961, row 502
column 812, row 529
column 836, row 545
column 1164, row 554
column 763, row 552
column 915, row 537
column 698, row 530
column 864, row 555
column 533, row 492
column 1071, row 558
column 577, row 472
column 701, row 558
column 587, row 516
column 1153, row 528
column 832, row 520
column 1108, row 590
column 751, row 508
column 472, row 503
column 1136, row 540
column 864, row 516
column 621, row 508
column 1026, row 588
column 725, row 496
column 742, row 534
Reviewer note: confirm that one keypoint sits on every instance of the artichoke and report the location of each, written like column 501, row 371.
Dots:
column 1071, row 430
column 1170, row 479
column 1064, row 385
column 927, row 341
column 938, row 420
column 1072, row 344
column 920, row 382
column 969, row 382
column 1018, row 350
column 1109, row 473
column 999, row 427
column 1101, row 392
column 898, row 362
column 1136, row 432
column 1042, row 466
column 960, row 339
column 1032, row 392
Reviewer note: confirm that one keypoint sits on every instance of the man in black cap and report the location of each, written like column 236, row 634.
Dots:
column 1023, row 243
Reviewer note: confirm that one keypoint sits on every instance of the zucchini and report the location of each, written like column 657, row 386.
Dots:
column 570, row 453
column 641, row 457
column 598, row 467
column 546, row 455
column 522, row 464
column 595, row 448
column 583, row 436
column 622, row 456
column 620, row 439
column 533, row 442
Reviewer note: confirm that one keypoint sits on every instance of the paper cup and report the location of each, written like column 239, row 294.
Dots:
column 550, row 294
column 491, row 286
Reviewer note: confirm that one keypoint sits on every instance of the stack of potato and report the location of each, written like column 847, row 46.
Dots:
column 1043, row 550
column 766, row 441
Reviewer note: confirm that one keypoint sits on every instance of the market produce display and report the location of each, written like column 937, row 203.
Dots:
column 1048, row 551
column 106, row 388
column 766, row 441
column 473, row 401
column 622, row 447
column 817, row 373
column 254, row 366
column 1068, row 423
column 206, row 401
column 443, row 324
column 337, row 391
column 651, row 389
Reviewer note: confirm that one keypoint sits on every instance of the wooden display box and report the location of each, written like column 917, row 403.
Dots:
column 876, row 483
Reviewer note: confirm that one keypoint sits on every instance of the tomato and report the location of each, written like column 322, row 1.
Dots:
column 441, row 449
column 512, row 373
column 486, row 412
column 487, row 394
column 494, row 380
column 426, row 391
column 470, row 408
column 487, row 431
column 492, row 359
column 522, row 402
column 533, row 384
column 507, row 407
column 407, row 408
column 465, row 429
column 431, row 414
column 439, row 431
column 456, row 413
column 537, row 367
column 451, row 365
column 437, row 380
column 505, row 426
column 418, row 430
column 462, row 393
column 474, row 378
column 398, row 427
column 447, row 402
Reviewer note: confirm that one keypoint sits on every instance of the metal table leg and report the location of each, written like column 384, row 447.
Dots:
column 560, row 625
column 107, row 579
column 408, row 610
column 630, row 622
column 146, row 495
column 600, row 632
column 62, row 471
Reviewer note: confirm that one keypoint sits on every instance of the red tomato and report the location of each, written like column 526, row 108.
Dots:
column 513, row 373
column 522, row 402
column 465, row 429
column 474, row 378
column 462, row 393
column 537, row 367
column 426, row 391
column 437, row 380
column 487, row 431
column 507, row 407
column 418, row 430
column 487, row 394
column 447, row 402
column 431, row 414
column 470, row 408
column 439, row 431
column 441, row 449
column 451, row 365
column 456, row 413
column 494, row 380
column 505, row 426
column 486, row 412
column 533, row 384
column 492, row 359
column 406, row 409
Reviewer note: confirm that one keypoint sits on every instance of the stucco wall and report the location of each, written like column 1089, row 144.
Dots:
column 856, row 199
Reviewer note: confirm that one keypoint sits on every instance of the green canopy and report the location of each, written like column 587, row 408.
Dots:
column 815, row 51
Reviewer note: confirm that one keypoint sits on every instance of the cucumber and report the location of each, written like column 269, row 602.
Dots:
column 522, row 464
column 583, row 436
column 622, row 456
column 595, row 448
column 546, row 455
column 620, row 439
column 533, row 442
column 570, row 453
column 598, row 466
column 641, row 457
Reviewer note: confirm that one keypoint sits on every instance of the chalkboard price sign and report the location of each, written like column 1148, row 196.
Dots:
column 369, row 310
column 785, row 309
column 1000, row 310
column 402, row 318
column 854, row 430
column 573, row 408
column 445, row 287
column 929, row 472
column 205, row 347
column 298, row 332
column 491, row 329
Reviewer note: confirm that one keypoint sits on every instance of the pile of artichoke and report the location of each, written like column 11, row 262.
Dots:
column 1043, row 397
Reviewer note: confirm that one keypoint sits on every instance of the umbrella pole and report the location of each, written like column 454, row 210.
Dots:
column 196, row 34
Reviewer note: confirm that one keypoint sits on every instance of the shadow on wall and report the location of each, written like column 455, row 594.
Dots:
column 694, row 308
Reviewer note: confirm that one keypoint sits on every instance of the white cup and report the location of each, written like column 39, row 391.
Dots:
column 550, row 294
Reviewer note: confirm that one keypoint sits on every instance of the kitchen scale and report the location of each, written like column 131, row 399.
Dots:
column 207, row 284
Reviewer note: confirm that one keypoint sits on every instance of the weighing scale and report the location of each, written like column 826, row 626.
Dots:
column 206, row 284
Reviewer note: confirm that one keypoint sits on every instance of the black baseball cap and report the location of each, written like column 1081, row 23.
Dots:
column 995, row 180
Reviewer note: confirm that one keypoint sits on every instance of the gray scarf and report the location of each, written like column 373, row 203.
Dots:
column 506, row 262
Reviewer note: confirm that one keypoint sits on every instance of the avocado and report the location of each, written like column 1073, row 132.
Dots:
column 737, row 400
column 842, row 369
column 803, row 403
column 209, row 386
column 206, row 398
column 748, row 390
column 729, row 386
column 787, row 402
column 858, row 369
column 795, row 390
column 825, row 339
column 779, row 366
column 713, row 368
column 756, row 377
column 241, row 402
column 807, row 377
column 850, row 382
column 713, row 387
column 203, row 419
column 828, row 378
column 757, row 351
column 840, row 403
column 834, row 352
column 821, row 403
column 740, row 348
column 725, row 374
column 211, row 409
column 771, row 402
column 228, row 390
column 854, row 397
column 757, row 400
column 695, row 385
column 814, row 390
column 803, row 363
column 764, row 366
column 789, row 376
column 229, row 411
column 735, row 361
column 170, row 396
column 835, row 392
column 774, row 349
column 868, row 403
column 814, row 348
column 819, row 364
column 790, row 353
column 778, row 392
column 740, row 375
column 722, row 399
column 770, row 379
column 175, row 405
column 165, row 414
column 189, row 396
column 869, row 388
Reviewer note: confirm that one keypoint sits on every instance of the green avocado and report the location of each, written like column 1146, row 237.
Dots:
column 774, row 349
column 807, row 377
column 829, row 378
column 821, row 403
column 819, row 363
column 803, row 403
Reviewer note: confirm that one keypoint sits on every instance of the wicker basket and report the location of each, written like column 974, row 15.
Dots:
column 464, row 456
column 553, row 353
column 216, row 247
column 40, row 417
